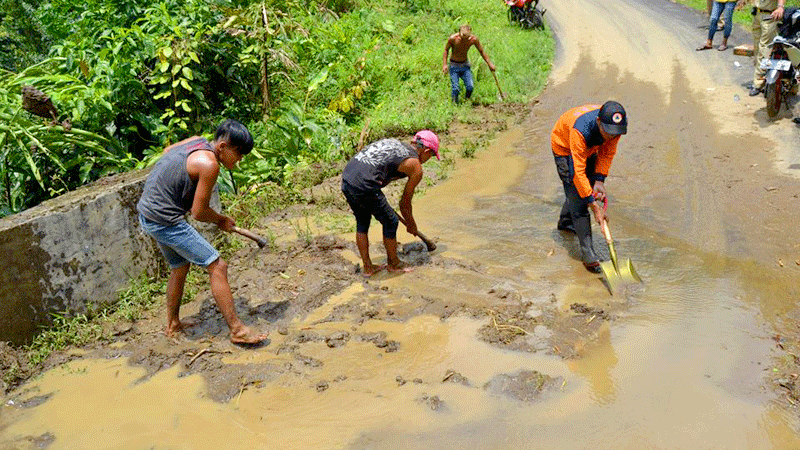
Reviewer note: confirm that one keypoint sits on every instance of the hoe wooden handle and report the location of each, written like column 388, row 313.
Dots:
column 428, row 243
column 249, row 234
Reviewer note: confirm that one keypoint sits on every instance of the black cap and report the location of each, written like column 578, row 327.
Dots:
column 613, row 118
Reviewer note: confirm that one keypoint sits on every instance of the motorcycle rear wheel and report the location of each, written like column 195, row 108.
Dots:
column 537, row 21
column 773, row 93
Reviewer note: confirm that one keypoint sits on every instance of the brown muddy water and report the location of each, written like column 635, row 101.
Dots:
column 680, row 362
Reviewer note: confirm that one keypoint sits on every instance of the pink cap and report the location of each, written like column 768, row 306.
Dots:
column 429, row 139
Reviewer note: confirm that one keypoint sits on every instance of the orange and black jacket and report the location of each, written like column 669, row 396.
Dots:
column 577, row 135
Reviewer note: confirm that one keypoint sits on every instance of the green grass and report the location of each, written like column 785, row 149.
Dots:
column 419, row 96
column 76, row 330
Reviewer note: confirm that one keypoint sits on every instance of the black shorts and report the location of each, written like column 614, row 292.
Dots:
column 368, row 204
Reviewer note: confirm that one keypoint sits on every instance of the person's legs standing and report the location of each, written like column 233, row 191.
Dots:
column 716, row 10
column 727, row 15
column 361, row 205
column 175, row 285
column 575, row 211
column 388, row 218
column 469, row 85
column 182, row 244
column 454, row 76
column 581, row 221
column 767, row 30
column 758, row 73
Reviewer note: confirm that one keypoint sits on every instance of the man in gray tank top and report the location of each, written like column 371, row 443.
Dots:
column 182, row 181
column 371, row 169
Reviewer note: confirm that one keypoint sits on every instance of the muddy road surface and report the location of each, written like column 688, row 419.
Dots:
column 500, row 339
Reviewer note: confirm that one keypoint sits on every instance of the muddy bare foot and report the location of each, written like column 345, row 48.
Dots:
column 182, row 325
column 400, row 267
column 372, row 270
column 246, row 337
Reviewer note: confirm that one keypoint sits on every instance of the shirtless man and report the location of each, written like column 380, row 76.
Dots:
column 459, row 63
column 182, row 181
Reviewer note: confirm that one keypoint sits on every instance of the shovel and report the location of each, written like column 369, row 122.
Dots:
column 428, row 243
column 500, row 91
column 618, row 273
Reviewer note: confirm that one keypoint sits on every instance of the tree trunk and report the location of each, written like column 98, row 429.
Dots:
column 266, row 101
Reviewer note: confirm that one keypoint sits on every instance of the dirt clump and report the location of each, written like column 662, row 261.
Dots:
column 454, row 377
column 525, row 386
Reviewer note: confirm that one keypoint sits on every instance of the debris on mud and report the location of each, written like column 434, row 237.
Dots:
column 525, row 386
column 580, row 308
column 337, row 339
column 785, row 374
column 380, row 341
column 455, row 377
column 433, row 402
column 533, row 327
column 13, row 365
column 414, row 253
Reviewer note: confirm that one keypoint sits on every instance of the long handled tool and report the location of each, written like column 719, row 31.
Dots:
column 428, row 243
column 618, row 273
column 502, row 97
column 262, row 242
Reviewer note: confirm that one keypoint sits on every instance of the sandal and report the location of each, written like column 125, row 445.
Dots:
column 722, row 47
column 705, row 47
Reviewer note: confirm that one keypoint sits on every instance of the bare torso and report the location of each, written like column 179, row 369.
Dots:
column 459, row 47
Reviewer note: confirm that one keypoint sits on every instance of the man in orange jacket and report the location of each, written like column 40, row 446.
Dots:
column 584, row 141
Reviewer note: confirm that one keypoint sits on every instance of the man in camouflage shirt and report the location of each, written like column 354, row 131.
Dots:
column 371, row 169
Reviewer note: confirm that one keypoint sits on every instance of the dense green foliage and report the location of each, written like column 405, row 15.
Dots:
column 133, row 76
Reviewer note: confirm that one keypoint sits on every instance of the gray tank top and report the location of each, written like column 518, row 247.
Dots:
column 168, row 191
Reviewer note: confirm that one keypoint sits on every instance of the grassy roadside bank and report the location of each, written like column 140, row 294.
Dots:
column 420, row 99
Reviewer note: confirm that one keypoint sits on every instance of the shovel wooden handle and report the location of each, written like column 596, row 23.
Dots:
column 502, row 97
column 428, row 243
column 606, row 232
column 249, row 234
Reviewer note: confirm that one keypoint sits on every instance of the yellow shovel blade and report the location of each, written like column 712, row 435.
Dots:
column 628, row 273
column 616, row 279
column 612, row 277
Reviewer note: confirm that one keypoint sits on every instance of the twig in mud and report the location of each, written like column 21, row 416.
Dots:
column 591, row 319
column 240, row 393
column 506, row 326
column 196, row 356
column 205, row 350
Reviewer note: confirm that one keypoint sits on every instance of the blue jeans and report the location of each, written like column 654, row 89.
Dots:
column 716, row 11
column 180, row 244
column 462, row 71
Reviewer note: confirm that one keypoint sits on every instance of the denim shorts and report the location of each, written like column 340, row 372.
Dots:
column 180, row 244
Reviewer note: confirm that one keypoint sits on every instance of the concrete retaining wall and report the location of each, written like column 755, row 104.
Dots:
column 70, row 252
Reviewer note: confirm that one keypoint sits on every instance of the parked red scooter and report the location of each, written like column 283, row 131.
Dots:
column 525, row 13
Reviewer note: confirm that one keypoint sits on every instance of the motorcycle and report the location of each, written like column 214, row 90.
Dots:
column 525, row 13
column 783, row 66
